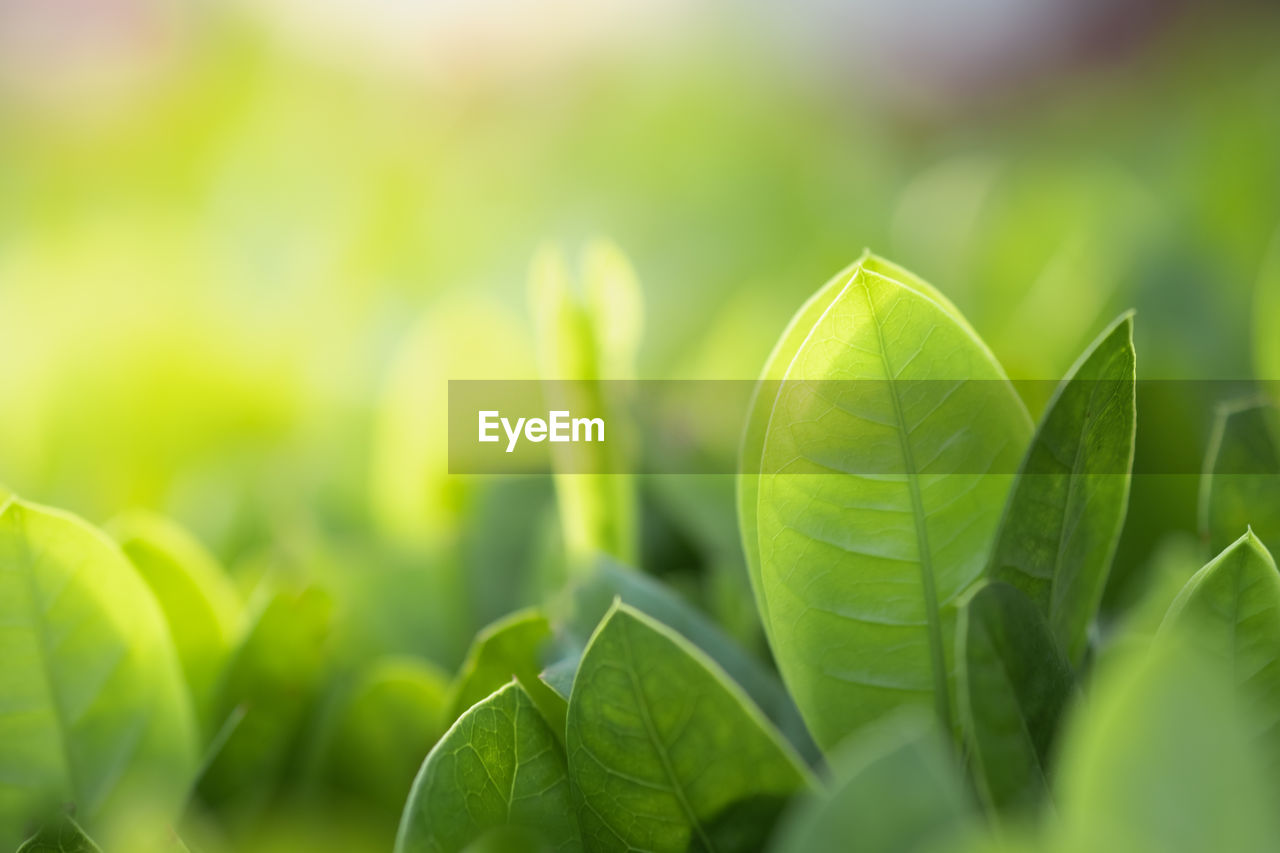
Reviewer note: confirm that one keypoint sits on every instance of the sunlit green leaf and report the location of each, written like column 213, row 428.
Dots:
column 880, row 489
column 1014, row 686
column 94, row 712
column 498, row 766
column 1067, row 507
column 664, row 751
column 775, row 368
column 1240, row 486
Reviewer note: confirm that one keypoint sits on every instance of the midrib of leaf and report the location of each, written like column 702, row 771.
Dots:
column 1237, row 593
column 515, row 752
column 937, row 655
column 1072, row 481
column 660, row 748
column 1091, row 422
column 40, row 629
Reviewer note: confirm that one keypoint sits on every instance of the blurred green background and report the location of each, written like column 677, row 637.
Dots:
column 244, row 245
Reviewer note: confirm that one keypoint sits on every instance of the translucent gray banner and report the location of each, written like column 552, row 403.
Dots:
column 845, row 427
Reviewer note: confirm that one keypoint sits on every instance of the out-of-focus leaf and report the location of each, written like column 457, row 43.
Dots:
column 1175, row 560
column 663, row 747
column 896, row 788
column 1159, row 760
column 414, row 498
column 388, row 722
column 501, row 541
column 1064, row 515
column 1266, row 319
column 498, row 766
column 1240, row 486
column 65, row 836
column 271, row 683
column 582, row 341
column 1016, row 235
column 1233, row 605
column 559, row 675
column 590, row 599
column 879, row 491
column 94, row 712
column 199, row 601
column 514, row 647
column 615, row 305
column 1014, row 685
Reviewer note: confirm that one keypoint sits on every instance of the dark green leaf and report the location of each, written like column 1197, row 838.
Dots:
column 1067, row 508
column 662, row 744
column 1241, row 483
column 499, row 766
column 1015, row 684
column 590, row 599
column 65, row 836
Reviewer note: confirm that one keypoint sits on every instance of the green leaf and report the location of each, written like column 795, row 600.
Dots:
column 199, row 601
column 94, row 711
column 664, row 750
column 590, row 599
column 1240, row 486
column 1015, row 684
column 65, row 836
column 498, row 766
column 272, row 684
column 513, row 647
column 1064, row 516
column 509, row 839
column 896, row 788
column 389, row 720
column 775, row 368
column 1158, row 760
column 1266, row 317
column 1233, row 603
column 586, row 339
column 413, row 497
column 874, row 514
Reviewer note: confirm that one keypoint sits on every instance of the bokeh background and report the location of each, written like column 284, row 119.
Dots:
column 243, row 245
